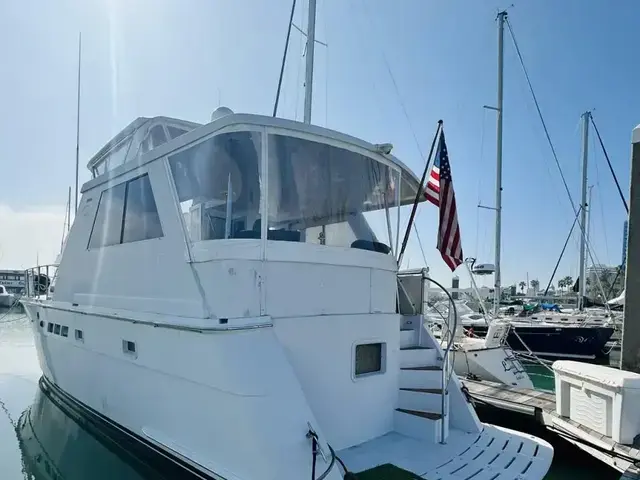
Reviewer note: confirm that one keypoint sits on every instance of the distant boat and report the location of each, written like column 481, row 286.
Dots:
column 7, row 300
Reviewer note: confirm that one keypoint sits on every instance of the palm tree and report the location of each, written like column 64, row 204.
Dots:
column 522, row 285
column 535, row 284
column 561, row 284
column 568, row 281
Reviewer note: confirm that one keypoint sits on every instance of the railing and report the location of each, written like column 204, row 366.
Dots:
column 39, row 282
column 447, row 334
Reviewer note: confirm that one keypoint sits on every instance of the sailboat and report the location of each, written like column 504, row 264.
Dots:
column 546, row 334
column 277, row 351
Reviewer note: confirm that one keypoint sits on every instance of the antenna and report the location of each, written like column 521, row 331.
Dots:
column 78, row 121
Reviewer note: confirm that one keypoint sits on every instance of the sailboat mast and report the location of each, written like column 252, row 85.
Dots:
column 78, row 123
column 583, row 207
column 308, row 78
column 497, row 291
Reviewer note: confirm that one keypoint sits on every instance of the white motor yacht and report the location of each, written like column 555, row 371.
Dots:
column 277, row 349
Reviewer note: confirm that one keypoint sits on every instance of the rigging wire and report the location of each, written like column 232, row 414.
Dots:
column 300, row 48
column 606, row 156
column 555, row 269
column 544, row 124
column 424, row 257
column 600, row 202
column 395, row 85
column 553, row 150
column 284, row 58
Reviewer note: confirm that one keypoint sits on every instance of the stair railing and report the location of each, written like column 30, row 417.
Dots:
column 448, row 334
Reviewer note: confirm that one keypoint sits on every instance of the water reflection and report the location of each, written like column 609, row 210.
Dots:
column 58, row 443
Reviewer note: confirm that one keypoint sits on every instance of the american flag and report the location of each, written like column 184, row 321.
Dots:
column 439, row 191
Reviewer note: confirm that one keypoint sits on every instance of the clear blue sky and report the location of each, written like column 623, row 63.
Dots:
column 183, row 58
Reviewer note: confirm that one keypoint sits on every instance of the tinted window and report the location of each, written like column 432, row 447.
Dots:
column 107, row 227
column 175, row 131
column 157, row 136
column 368, row 358
column 141, row 219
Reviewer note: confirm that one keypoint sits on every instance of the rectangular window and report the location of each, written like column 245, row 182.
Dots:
column 368, row 358
column 50, row 327
column 56, row 329
column 65, row 331
column 126, row 213
column 107, row 226
column 79, row 335
column 141, row 218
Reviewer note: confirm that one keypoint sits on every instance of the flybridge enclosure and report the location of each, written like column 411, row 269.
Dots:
column 249, row 177
column 139, row 137
column 132, row 141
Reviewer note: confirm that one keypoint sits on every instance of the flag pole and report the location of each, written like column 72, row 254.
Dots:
column 419, row 193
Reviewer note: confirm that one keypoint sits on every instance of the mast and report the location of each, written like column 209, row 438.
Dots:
column 308, row 77
column 583, row 210
column 78, row 123
column 496, row 299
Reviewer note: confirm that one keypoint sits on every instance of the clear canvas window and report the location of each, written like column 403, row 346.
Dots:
column 218, row 186
column 332, row 196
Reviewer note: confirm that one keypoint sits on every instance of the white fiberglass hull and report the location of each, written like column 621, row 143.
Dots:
column 497, row 364
column 227, row 404
column 184, row 398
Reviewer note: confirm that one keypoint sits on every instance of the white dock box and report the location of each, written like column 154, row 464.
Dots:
column 603, row 399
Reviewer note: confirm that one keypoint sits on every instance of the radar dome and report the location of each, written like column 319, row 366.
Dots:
column 221, row 112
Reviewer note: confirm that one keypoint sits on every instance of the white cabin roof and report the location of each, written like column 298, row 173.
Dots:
column 137, row 138
column 232, row 121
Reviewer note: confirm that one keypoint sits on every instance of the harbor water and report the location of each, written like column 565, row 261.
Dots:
column 41, row 439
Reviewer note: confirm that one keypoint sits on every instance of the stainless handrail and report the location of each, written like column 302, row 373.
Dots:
column 50, row 271
column 446, row 368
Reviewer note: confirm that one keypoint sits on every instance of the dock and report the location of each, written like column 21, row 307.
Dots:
column 541, row 405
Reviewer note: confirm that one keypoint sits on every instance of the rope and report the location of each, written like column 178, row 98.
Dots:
column 15, row 305
column 533, row 355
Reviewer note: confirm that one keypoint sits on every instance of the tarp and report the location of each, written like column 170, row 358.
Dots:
column 550, row 306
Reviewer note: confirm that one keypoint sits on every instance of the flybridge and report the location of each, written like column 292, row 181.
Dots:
column 139, row 137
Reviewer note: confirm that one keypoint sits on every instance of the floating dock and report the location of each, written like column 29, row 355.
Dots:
column 541, row 405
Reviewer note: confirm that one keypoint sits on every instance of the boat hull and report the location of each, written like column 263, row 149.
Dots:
column 553, row 342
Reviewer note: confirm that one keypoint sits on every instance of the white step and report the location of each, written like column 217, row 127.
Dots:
column 426, row 399
column 414, row 356
column 419, row 424
column 408, row 337
column 420, row 377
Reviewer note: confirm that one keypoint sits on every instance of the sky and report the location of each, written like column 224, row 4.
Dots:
column 389, row 71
